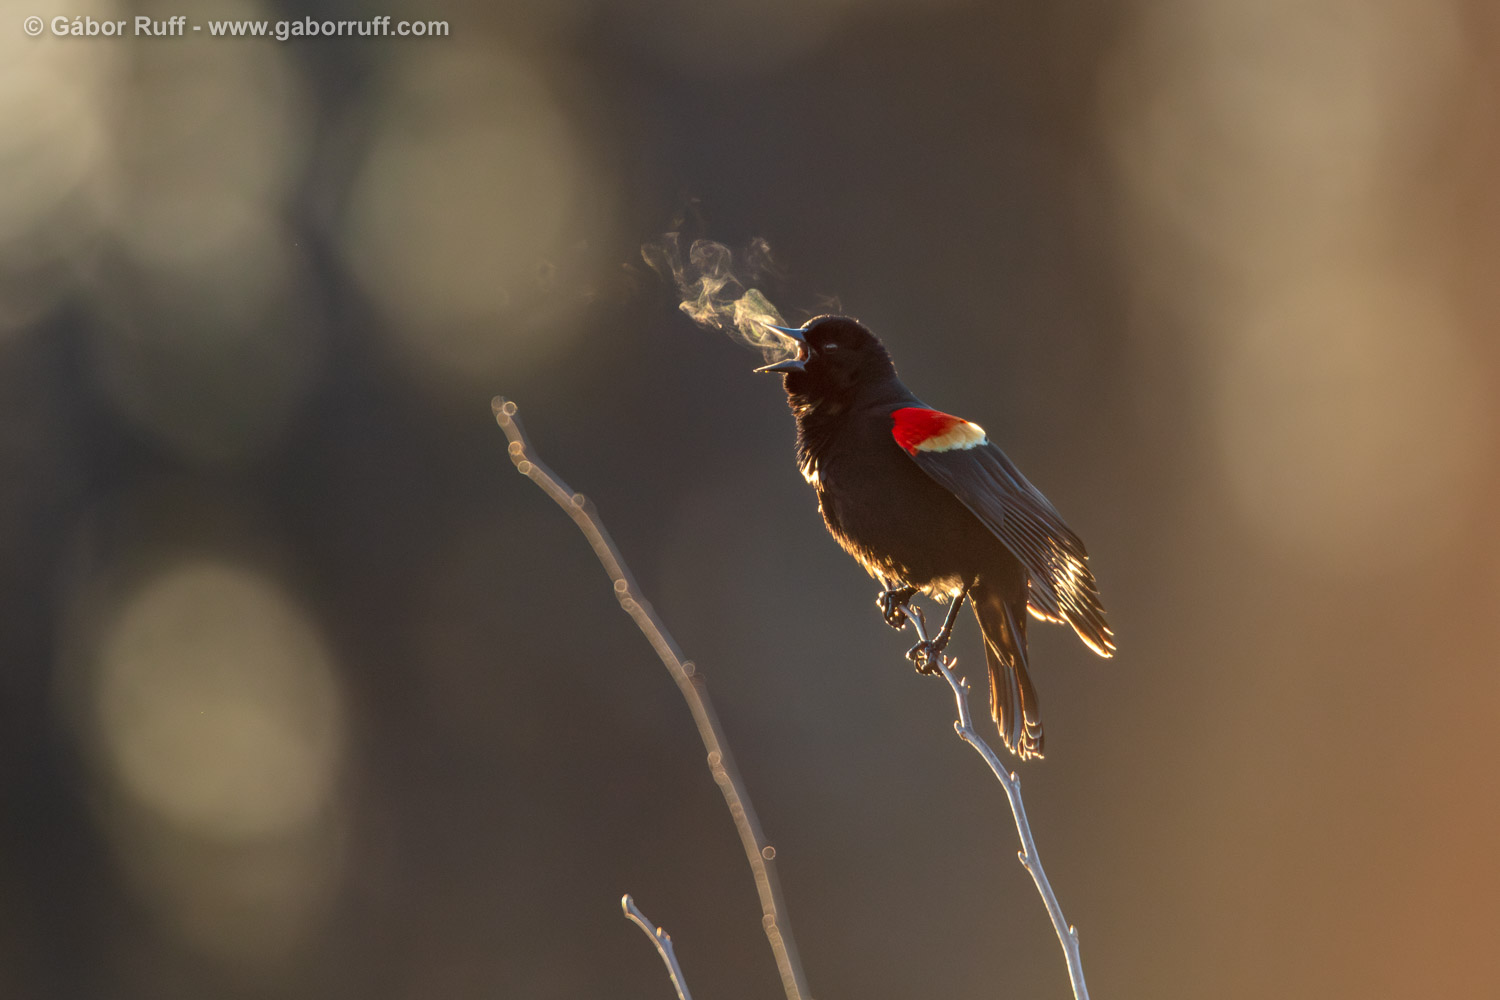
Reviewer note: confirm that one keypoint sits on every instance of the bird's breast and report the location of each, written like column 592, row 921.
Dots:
column 887, row 513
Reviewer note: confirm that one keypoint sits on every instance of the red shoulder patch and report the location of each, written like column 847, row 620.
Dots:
column 917, row 428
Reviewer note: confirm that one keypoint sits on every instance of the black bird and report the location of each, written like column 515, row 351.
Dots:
column 925, row 502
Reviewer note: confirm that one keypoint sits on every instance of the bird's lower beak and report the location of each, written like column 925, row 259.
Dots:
column 797, row 364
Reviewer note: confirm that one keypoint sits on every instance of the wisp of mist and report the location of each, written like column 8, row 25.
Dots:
column 718, row 292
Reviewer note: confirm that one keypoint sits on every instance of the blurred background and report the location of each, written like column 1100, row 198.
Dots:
column 305, row 693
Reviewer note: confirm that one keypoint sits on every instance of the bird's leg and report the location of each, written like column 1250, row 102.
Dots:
column 925, row 654
column 891, row 602
column 940, row 642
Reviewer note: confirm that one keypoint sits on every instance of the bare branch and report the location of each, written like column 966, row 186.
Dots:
column 663, row 942
column 1067, row 935
column 758, row 852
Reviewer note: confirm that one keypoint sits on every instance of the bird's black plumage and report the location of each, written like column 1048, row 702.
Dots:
column 924, row 500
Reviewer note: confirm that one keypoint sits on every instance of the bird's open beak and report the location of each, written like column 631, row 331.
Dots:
column 796, row 364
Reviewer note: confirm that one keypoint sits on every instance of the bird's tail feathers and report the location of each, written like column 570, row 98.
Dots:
column 1013, row 701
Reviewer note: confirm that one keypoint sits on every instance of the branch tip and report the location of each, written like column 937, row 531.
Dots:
column 663, row 942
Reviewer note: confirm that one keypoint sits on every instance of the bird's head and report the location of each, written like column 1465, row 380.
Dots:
column 836, row 357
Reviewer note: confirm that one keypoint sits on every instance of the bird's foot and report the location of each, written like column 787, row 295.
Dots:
column 926, row 656
column 892, row 605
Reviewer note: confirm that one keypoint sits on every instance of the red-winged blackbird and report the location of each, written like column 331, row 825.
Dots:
column 925, row 502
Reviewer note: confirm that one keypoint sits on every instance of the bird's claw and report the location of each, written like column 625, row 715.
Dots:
column 892, row 605
column 926, row 656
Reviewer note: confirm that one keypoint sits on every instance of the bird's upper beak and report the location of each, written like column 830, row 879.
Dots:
column 796, row 364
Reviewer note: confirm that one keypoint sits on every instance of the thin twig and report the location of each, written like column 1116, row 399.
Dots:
column 1067, row 934
column 663, row 942
column 758, row 851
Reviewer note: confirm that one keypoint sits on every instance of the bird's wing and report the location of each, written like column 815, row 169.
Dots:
column 958, row 455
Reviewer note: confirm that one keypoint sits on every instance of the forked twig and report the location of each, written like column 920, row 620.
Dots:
column 663, row 942
column 1067, row 934
column 758, row 851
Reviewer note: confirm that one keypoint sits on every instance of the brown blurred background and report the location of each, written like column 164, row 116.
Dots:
column 305, row 694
